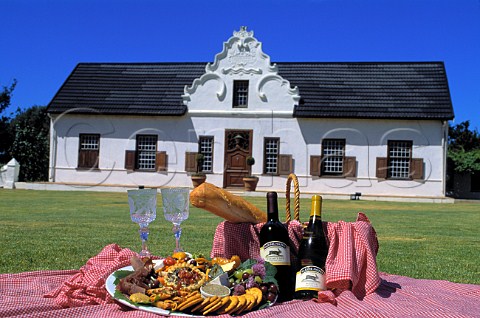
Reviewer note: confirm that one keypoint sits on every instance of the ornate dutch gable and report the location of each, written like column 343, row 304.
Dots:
column 242, row 57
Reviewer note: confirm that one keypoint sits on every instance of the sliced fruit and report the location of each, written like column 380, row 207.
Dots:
column 179, row 255
column 140, row 298
column 228, row 266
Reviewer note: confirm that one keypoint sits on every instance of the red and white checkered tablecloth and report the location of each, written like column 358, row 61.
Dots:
column 81, row 293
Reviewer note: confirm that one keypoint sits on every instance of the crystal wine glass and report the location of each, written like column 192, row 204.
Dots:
column 143, row 210
column 175, row 209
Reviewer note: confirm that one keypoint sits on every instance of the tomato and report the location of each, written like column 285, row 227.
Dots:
column 169, row 261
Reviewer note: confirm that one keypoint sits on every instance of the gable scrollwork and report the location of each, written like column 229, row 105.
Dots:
column 221, row 91
column 293, row 92
column 242, row 55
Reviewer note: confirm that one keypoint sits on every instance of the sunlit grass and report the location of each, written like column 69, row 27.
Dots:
column 62, row 230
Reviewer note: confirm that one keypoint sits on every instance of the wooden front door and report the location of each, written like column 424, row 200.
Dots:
column 238, row 146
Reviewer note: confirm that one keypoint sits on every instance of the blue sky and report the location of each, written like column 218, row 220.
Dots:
column 43, row 40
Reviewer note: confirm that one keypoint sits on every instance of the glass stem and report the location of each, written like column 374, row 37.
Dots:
column 177, row 231
column 144, row 231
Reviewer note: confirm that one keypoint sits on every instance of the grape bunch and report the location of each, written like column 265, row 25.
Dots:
column 244, row 276
column 269, row 291
column 242, row 280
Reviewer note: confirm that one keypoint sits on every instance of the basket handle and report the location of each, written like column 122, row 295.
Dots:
column 292, row 177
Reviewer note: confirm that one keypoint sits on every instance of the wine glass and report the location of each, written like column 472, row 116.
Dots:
column 143, row 210
column 175, row 209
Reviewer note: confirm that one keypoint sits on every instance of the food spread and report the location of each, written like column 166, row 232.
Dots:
column 176, row 284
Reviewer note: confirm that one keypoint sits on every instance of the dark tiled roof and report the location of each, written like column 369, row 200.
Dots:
column 126, row 88
column 344, row 90
column 371, row 90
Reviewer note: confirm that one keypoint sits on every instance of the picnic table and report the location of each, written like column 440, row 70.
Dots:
column 82, row 293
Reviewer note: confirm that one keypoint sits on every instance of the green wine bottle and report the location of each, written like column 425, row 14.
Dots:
column 312, row 254
column 275, row 248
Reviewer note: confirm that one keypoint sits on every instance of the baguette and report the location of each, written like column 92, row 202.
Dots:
column 226, row 205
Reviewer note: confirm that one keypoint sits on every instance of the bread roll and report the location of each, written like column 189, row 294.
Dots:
column 225, row 204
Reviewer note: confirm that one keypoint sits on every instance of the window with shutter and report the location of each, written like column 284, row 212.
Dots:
column 88, row 151
column 399, row 159
column 350, row 167
column 315, row 164
column 130, row 159
column 190, row 162
column 161, row 161
column 417, row 169
column 205, row 147
column 146, row 156
column 271, row 150
column 285, row 166
column 381, row 168
column 333, row 153
column 82, row 159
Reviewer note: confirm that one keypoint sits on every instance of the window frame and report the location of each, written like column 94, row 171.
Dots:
column 139, row 152
column 239, row 92
column 81, row 150
column 390, row 167
column 324, row 161
column 276, row 155
column 208, row 156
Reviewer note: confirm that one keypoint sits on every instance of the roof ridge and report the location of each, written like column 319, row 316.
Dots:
column 277, row 62
column 139, row 63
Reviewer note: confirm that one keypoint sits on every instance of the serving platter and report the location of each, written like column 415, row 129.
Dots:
column 251, row 300
column 110, row 287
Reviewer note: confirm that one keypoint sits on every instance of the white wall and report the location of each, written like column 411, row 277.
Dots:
column 365, row 139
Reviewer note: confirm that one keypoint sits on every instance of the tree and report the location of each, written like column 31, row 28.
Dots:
column 465, row 161
column 460, row 137
column 5, row 137
column 30, row 146
column 6, row 96
column 463, row 149
column 5, row 141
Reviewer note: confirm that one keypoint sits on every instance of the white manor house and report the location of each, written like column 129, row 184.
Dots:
column 377, row 128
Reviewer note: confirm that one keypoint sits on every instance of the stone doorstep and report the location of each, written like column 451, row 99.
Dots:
column 236, row 191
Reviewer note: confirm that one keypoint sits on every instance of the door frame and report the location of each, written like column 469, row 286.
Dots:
column 226, row 152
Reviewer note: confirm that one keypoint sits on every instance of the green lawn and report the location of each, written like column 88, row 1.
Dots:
column 62, row 230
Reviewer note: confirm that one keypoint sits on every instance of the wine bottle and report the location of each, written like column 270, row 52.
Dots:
column 275, row 248
column 312, row 254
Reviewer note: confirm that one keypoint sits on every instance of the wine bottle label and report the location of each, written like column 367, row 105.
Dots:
column 310, row 278
column 276, row 253
column 307, row 234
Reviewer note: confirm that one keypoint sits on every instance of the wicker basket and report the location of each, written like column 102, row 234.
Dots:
column 296, row 198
